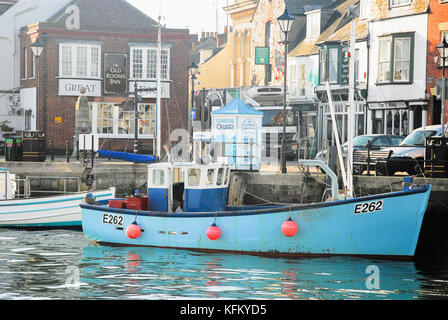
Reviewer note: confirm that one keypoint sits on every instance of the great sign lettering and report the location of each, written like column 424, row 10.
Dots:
column 71, row 87
column 115, row 75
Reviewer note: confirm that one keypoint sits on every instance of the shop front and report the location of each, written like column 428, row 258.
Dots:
column 398, row 118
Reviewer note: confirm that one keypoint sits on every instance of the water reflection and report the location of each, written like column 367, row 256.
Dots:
column 145, row 273
column 64, row 265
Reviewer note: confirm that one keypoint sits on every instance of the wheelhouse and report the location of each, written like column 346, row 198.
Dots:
column 188, row 187
column 7, row 184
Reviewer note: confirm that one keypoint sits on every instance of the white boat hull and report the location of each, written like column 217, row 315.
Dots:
column 53, row 211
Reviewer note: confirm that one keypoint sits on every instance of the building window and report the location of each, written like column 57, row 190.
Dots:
column 302, row 80
column 79, row 60
column 357, row 71
column 267, row 43
column 333, row 55
column 397, row 3
column 313, row 24
column 113, row 121
column 292, row 77
column 144, row 63
column 329, row 61
column 33, row 67
column 66, row 61
column 402, row 59
column 25, row 63
column 395, row 61
column 323, row 65
column 384, row 59
column 105, row 118
column 94, row 56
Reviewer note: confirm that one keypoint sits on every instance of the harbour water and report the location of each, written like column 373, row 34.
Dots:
column 64, row 265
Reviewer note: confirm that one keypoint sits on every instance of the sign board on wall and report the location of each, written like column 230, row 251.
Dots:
column 70, row 87
column 164, row 89
column 262, row 55
column 115, row 73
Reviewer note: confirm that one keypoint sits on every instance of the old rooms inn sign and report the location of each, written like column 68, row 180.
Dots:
column 115, row 79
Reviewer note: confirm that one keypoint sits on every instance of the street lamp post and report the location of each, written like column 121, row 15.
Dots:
column 285, row 22
column 442, row 49
column 37, row 47
column 193, row 71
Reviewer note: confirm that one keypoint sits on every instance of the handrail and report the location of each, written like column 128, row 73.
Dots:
column 321, row 164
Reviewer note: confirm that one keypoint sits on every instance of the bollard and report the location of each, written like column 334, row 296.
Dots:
column 93, row 152
column 67, row 156
column 51, row 150
column 368, row 157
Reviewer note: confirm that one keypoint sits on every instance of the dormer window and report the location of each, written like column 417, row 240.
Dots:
column 364, row 9
column 398, row 3
column 313, row 24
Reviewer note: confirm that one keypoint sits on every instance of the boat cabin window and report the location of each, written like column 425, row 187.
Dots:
column 158, row 177
column 210, row 176
column 194, row 177
column 226, row 181
column 220, row 179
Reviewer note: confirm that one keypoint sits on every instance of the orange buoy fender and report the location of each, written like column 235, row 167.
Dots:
column 213, row 232
column 133, row 230
column 289, row 228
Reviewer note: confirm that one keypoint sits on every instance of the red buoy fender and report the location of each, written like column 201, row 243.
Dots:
column 133, row 230
column 289, row 228
column 213, row 232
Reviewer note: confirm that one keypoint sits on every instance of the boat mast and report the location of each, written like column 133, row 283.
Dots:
column 351, row 110
column 336, row 134
column 158, row 106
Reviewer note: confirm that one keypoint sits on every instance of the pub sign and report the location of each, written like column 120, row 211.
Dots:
column 115, row 73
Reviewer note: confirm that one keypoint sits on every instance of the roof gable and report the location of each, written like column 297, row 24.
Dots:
column 118, row 14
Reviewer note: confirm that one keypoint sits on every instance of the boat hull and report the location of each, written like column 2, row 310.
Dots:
column 390, row 229
column 53, row 211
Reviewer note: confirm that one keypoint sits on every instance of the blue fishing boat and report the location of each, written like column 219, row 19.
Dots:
column 186, row 208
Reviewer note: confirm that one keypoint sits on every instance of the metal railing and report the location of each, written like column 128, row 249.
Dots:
column 29, row 191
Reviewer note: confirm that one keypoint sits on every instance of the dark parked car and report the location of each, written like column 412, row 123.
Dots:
column 377, row 141
column 410, row 154
column 291, row 148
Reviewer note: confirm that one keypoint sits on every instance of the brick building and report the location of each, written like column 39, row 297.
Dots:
column 105, row 47
column 437, row 28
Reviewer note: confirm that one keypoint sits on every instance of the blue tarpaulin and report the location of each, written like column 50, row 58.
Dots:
column 125, row 156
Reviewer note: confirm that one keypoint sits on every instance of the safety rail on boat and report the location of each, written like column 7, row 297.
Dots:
column 27, row 184
column 331, row 174
column 23, row 184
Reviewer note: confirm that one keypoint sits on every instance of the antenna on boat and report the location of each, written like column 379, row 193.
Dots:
column 351, row 111
column 158, row 74
column 336, row 133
